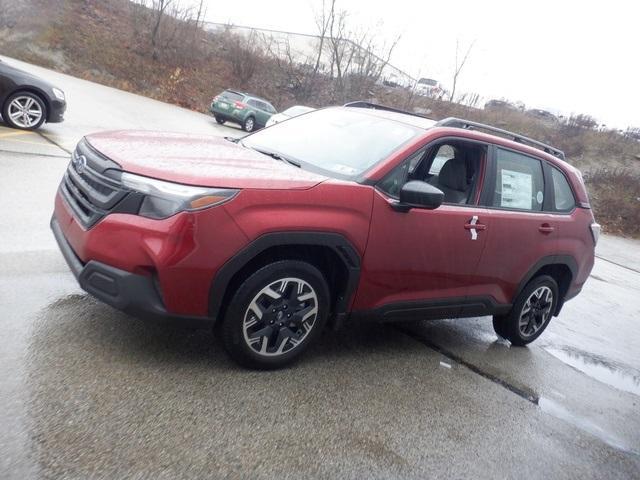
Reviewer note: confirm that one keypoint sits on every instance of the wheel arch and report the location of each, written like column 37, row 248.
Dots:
column 332, row 253
column 562, row 268
column 34, row 91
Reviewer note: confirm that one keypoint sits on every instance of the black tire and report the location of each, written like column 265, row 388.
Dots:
column 220, row 121
column 540, row 311
column 9, row 121
column 272, row 340
column 499, row 322
column 249, row 124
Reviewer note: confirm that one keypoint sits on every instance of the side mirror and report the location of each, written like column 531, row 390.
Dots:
column 417, row 194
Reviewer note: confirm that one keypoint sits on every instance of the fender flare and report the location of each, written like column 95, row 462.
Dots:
column 343, row 248
column 566, row 260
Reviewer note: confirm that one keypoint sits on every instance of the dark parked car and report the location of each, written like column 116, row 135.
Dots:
column 248, row 111
column 344, row 213
column 543, row 115
column 500, row 105
column 27, row 101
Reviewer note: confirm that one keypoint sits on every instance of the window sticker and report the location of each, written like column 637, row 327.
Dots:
column 516, row 190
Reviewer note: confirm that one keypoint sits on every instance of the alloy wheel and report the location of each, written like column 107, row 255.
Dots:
column 280, row 316
column 25, row 111
column 535, row 311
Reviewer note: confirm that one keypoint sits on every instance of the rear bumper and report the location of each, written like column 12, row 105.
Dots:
column 126, row 291
column 228, row 115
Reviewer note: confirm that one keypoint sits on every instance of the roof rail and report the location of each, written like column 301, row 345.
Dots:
column 375, row 106
column 469, row 125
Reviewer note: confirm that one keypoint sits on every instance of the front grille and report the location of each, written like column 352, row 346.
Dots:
column 91, row 185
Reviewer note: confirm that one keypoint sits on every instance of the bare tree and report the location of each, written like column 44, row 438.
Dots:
column 458, row 67
column 198, row 26
column 159, row 8
column 322, row 20
column 302, row 74
column 353, row 55
column 244, row 54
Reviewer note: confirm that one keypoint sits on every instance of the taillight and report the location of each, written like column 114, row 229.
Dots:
column 595, row 232
column 239, row 105
column 215, row 99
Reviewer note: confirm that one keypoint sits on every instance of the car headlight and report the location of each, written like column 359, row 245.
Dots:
column 163, row 199
column 59, row 94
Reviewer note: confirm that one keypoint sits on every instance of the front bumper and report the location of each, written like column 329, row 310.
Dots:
column 126, row 291
column 58, row 107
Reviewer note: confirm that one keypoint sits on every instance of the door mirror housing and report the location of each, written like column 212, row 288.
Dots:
column 417, row 194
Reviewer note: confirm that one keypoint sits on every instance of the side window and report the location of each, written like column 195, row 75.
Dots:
column 445, row 152
column 270, row 108
column 519, row 182
column 253, row 103
column 393, row 182
column 564, row 200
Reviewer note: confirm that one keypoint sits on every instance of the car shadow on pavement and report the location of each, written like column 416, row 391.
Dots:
column 82, row 327
column 119, row 390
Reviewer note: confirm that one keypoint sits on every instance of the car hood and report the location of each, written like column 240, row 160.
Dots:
column 24, row 78
column 199, row 160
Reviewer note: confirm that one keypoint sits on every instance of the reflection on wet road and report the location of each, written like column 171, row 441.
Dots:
column 619, row 376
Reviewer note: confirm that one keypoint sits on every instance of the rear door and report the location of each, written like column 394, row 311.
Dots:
column 520, row 229
column 261, row 112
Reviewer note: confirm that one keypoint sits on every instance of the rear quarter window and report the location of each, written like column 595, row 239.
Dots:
column 564, row 199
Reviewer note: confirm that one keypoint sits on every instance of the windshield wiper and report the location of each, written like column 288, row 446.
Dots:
column 277, row 156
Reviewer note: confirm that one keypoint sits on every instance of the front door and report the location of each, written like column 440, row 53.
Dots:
column 420, row 263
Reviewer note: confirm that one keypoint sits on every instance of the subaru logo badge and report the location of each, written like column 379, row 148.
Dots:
column 80, row 162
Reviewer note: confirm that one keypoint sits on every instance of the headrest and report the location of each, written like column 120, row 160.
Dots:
column 453, row 174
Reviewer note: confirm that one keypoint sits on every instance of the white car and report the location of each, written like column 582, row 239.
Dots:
column 429, row 87
column 287, row 114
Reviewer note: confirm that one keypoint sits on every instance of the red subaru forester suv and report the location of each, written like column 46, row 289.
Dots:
column 355, row 212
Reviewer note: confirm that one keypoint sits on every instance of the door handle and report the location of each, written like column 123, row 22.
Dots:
column 546, row 228
column 477, row 226
column 473, row 226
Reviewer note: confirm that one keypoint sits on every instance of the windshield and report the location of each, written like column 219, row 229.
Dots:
column 339, row 142
column 428, row 81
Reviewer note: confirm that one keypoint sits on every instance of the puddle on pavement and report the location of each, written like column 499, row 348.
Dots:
column 600, row 369
column 559, row 411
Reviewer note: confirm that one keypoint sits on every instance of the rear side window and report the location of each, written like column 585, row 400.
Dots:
column 267, row 107
column 519, row 182
column 564, row 199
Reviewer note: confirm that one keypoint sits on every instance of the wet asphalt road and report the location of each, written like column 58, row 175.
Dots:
column 88, row 392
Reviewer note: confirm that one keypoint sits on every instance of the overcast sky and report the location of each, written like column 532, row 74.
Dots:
column 567, row 56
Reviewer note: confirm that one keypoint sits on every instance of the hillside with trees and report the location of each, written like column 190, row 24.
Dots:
column 161, row 49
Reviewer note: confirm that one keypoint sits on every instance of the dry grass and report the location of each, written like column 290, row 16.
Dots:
column 615, row 198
